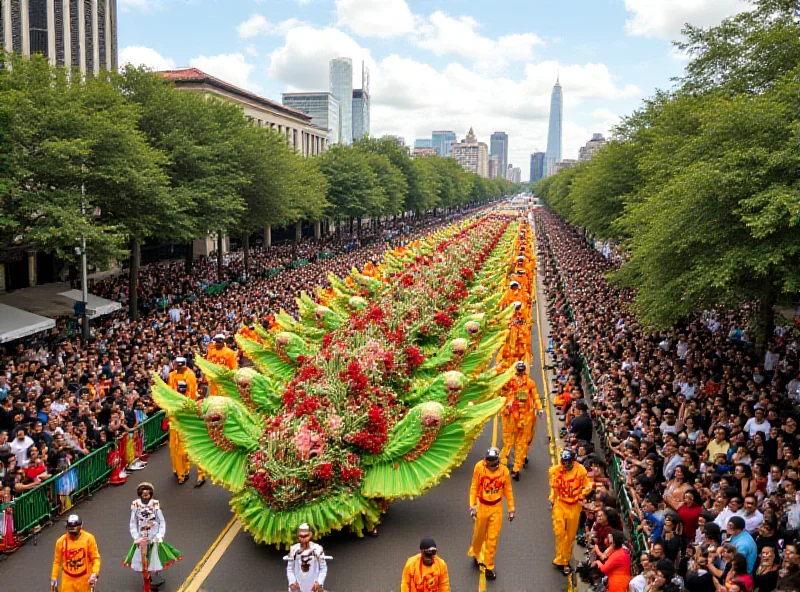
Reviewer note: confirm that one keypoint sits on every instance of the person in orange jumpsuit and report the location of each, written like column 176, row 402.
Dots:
column 569, row 486
column 518, row 342
column 182, row 380
column 519, row 418
column 425, row 571
column 491, row 482
column 221, row 355
column 76, row 558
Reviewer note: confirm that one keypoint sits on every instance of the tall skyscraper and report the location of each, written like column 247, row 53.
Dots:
column 553, row 153
column 498, row 146
column 341, row 81
column 77, row 34
column 537, row 166
column 443, row 142
column 321, row 106
column 423, row 143
column 361, row 106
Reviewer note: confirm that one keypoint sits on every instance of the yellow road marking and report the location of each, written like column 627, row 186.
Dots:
column 215, row 552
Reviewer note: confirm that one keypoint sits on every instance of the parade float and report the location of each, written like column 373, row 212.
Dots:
column 375, row 392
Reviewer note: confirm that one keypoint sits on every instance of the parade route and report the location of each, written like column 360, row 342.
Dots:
column 218, row 556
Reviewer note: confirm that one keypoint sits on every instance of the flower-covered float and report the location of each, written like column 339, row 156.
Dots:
column 376, row 392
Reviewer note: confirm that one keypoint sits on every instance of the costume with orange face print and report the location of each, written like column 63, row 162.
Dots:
column 569, row 486
column 182, row 380
column 77, row 559
column 519, row 418
column 486, row 494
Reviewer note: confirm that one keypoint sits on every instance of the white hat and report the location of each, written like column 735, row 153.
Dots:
column 304, row 526
column 180, row 360
column 219, row 336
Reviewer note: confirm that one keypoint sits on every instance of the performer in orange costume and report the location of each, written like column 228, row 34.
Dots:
column 491, row 482
column 221, row 355
column 519, row 418
column 518, row 342
column 182, row 380
column 425, row 572
column 77, row 555
column 569, row 486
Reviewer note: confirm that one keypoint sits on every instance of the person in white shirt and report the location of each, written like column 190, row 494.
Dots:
column 758, row 423
column 638, row 583
column 306, row 569
column 771, row 360
column 20, row 446
column 682, row 348
column 752, row 517
column 734, row 508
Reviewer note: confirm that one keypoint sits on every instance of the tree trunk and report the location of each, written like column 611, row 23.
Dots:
column 246, row 255
column 358, row 230
column 298, row 234
column 317, row 230
column 189, row 258
column 351, row 226
column 219, row 256
column 133, row 281
column 766, row 315
column 267, row 237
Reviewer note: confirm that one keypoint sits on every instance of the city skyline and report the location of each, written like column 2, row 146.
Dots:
column 435, row 68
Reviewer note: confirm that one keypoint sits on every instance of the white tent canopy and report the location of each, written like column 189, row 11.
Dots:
column 16, row 323
column 96, row 306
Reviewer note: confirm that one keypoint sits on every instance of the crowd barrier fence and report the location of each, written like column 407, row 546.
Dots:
column 59, row 493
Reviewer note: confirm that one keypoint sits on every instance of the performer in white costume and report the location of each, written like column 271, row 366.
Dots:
column 307, row 569
column 148, row 527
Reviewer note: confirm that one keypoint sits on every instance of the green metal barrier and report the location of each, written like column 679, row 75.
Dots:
column 60, row 492
column 299, row 263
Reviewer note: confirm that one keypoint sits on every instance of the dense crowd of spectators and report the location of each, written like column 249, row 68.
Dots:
column 703, row 425
column 59, row 401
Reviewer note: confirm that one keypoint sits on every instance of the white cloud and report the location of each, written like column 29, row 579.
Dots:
column 445, row 35
column 375, row 18
column 258, row 24
column 143, row 5
column 665, row 18
column 411, row 98
column 230, row 67
column 302, row 62
column 145, row 56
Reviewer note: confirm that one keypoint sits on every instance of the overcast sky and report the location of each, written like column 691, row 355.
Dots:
column 435, row 64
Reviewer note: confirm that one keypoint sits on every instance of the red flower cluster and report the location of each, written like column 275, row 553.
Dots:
column 263, row 484
column 407, row 280
column 443, row 319
column 351, row 474
column 375, row 314
column 355, row 377
column 414, row 357
column 289, row 398
column 467, row 273
column 374, row 436
column 309, row 373
column 323, row 471
column 307, row 406
column 326, row 340
column 388, row 361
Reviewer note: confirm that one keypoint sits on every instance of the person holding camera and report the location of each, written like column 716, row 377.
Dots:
column 425, row 571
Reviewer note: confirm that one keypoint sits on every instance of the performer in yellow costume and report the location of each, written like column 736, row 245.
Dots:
column 182, row 380
column 77, row 558
column 569, row 486
column 491, row 482
column 519, row 418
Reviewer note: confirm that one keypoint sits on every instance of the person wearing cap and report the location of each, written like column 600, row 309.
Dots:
column 182, row 380
column 425, row 571
column 221, row 355
column 569, row 486
column 147, row 528
column 513, row 294
column 306, row 569
column 76, row 558
column 519, row 417
column 491, row 482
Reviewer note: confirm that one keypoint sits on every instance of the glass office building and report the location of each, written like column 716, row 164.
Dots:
column 341, row 81
column 498, row 146
column 360, row 114
column 443, row 142
column 321, row 106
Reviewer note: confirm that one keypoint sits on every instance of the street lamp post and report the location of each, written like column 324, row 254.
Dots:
column 84, row 279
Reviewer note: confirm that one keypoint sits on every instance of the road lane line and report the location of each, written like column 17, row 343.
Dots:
column 211, row 557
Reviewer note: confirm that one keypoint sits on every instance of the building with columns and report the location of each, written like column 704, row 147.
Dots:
column 305, row 137
column 77, row 34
